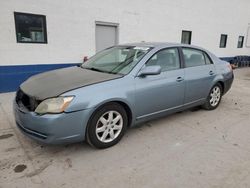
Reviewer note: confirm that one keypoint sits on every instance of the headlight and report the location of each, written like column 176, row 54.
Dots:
column 53, row 105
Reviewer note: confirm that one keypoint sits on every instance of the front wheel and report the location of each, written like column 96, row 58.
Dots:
column 107, row 126
column 214, row 98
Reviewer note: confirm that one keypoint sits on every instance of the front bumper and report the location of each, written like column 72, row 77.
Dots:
column 52, row 128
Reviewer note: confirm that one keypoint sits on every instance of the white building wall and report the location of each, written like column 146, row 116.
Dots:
column 71, row 26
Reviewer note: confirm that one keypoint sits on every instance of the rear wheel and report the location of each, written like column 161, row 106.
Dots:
column 107, row 126
column 214, row 98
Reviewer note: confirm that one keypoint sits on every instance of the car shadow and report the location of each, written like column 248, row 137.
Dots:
column 168, row 117
column 83, row 146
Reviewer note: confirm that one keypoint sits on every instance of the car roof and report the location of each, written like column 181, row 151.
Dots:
column 160, row 45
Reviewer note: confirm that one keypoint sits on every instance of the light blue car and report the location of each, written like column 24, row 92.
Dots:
column 118, row 88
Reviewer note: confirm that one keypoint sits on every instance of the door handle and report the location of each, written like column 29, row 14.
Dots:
column 211, row 72
column 179, row 79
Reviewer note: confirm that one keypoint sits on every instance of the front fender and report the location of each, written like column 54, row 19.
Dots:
column 93, row 96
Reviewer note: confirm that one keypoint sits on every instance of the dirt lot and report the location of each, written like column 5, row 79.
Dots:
column 195, row 148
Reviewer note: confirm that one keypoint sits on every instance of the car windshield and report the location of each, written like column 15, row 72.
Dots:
column 116, row 60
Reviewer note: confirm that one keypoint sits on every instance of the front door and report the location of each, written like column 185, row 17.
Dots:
column 158, row 93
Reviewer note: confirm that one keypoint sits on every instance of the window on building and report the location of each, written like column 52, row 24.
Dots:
column 30, row 28
column 223, row 41
column 240, row 42
column 186, row 37
column 193, row 57
column 168, row 59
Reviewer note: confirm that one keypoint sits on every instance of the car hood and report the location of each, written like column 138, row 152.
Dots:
column 54, row 83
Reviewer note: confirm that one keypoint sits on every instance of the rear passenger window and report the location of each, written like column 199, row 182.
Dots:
column 193, row 57
column 207, row 59
column 168, row 59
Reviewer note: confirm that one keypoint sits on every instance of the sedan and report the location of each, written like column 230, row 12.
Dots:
column 118, row 88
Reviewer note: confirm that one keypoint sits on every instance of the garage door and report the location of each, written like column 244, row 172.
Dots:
column 248, row 37
column 106, row 36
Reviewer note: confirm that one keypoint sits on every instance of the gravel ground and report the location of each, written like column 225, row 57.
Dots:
column 195, row 148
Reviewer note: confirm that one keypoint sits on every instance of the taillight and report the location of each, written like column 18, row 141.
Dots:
column 230, row 67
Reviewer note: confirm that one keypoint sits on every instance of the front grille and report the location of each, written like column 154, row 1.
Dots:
column 25, row 100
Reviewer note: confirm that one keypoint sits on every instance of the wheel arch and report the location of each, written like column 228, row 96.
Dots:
column 218, row 80
column 122, row 103
column 222, row 85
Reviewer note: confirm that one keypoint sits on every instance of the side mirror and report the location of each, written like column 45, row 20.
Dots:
column 150, row 70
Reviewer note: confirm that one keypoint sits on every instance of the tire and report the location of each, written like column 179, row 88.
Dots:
column 107, row 126
column 214, row 97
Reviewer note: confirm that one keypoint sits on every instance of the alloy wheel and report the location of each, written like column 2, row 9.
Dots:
column 109, row 126
column 215, row 96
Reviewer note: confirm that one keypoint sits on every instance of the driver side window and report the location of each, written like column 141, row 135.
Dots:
column 167, row 59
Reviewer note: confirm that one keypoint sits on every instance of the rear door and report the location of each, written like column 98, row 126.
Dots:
column 158, row 93
column 199, row 74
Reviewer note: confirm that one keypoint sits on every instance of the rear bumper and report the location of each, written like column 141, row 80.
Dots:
column 52, row 128
column 228, row 83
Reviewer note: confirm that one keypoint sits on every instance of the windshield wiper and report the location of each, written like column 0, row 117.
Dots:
column 98, row 70
column 94, row 69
